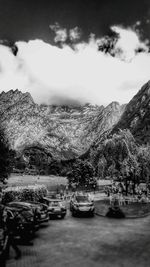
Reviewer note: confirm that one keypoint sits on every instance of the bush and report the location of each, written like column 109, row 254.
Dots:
column 24, row 193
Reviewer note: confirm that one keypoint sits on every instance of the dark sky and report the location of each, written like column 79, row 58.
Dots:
column 30, row 19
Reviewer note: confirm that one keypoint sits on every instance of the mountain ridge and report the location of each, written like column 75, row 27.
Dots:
column 136, row 116
column 65, row 131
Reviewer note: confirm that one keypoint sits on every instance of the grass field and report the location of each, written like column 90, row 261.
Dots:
column 52, row 182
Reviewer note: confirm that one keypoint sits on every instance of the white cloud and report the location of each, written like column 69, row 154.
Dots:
column 74, row 34
column 128, row 42
column 84, row 73
column 60, row 33
column 12, row 72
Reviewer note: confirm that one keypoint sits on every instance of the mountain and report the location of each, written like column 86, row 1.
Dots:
column 63, row 131
column 104, row 120
column 136, row 116
column 131, row 131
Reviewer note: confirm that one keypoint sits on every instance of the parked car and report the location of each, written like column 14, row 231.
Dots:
column 39, row 210
column 3, row 243
column 81, row 204
column 24, row 219
column 3, row 235
column 56, row 207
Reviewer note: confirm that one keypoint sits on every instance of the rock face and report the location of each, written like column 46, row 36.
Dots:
column 64, row 131
column 104, row 120
column 136, row 116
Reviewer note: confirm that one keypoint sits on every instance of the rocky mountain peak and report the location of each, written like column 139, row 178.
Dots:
column 13, row 97
column 114, row 105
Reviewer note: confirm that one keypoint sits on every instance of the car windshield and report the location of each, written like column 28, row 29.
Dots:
column 82, row 199
column 54, row 203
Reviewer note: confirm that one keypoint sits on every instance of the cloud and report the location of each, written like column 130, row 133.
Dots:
column 128, row 43
column 63, row 35
column 75, row 34
column 79, row 74
column 12, row 73
column 60, row 33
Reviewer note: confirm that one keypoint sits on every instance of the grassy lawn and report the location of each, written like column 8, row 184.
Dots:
column 52, row 182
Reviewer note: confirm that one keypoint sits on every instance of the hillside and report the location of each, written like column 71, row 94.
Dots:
column 136, row 116
column 127, row 143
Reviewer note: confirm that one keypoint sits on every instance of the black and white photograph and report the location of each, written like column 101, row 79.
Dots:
column 74, row 133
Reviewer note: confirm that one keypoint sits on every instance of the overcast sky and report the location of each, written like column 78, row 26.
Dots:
column 62, row 50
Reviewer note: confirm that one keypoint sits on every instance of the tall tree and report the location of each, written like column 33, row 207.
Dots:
column 82, row 174
column 5, row 161
column 144, row 163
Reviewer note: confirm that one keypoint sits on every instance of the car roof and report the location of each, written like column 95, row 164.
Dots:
column 82, row 196
column 20, row 203
column 80, row 193
column 33, row 203
column 52, row 199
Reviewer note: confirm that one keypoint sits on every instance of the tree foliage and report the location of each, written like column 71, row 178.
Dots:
column 81, row 174
column 24, row 193
column 144, row 162
column 119, row 158
column 5, row 157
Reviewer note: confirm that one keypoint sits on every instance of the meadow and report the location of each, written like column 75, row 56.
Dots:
column 52, row 182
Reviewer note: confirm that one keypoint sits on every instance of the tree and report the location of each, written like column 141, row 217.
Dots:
column 118, row 158
column 4, row 157
column 130, row 171
column 54, row 167
column 112, row 171
column 144, row 163
column 100, row 170
column 82, row 174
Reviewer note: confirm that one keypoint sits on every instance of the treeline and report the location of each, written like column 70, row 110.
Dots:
column 116, row 157
column 38, row 161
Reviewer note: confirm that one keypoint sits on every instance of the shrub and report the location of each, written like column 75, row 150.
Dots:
column 24, row 193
